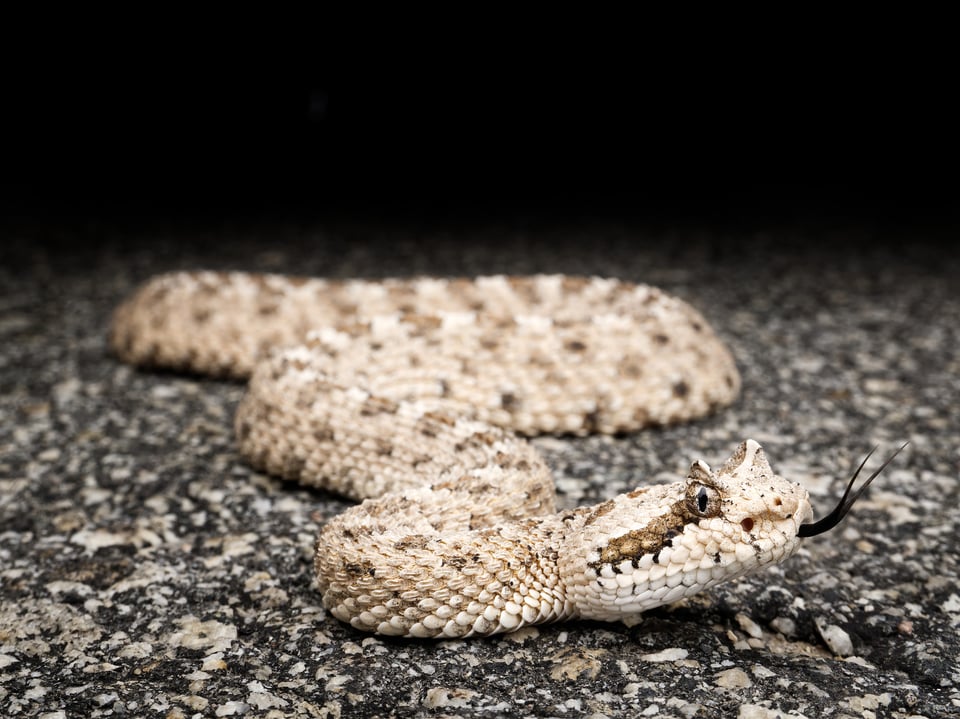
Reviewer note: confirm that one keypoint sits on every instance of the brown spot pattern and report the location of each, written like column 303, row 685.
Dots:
column 657, row 534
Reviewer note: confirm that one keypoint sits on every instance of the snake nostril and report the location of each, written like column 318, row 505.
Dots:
column 747, row 524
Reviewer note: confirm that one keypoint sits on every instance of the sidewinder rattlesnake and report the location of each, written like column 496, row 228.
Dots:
column 413, row 395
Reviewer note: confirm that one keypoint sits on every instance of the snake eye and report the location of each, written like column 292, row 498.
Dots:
column 703, row 500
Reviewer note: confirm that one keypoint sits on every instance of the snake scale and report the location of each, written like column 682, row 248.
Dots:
column 414, row 395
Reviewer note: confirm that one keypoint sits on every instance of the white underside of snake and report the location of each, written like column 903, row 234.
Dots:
column 412, row 395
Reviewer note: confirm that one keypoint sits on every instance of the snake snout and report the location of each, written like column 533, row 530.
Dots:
column 791, row 505
column 784, row 505
column 776, row 507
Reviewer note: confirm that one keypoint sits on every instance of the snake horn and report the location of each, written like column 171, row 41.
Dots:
column 812, row 529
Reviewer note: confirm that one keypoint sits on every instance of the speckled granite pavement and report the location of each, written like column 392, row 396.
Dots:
column 146, row 571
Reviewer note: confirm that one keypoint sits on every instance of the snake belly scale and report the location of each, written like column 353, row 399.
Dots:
column 415, row 395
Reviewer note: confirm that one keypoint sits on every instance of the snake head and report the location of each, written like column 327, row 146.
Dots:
column 657, row 545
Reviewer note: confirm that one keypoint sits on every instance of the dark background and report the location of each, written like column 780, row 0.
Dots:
column 662, row 138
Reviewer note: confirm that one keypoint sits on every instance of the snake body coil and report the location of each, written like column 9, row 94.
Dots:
column 412, row 394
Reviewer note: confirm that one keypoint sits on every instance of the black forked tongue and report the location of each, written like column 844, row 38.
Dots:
column 812, row 529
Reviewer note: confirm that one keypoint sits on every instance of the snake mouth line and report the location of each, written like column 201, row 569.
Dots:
column 812, row 529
